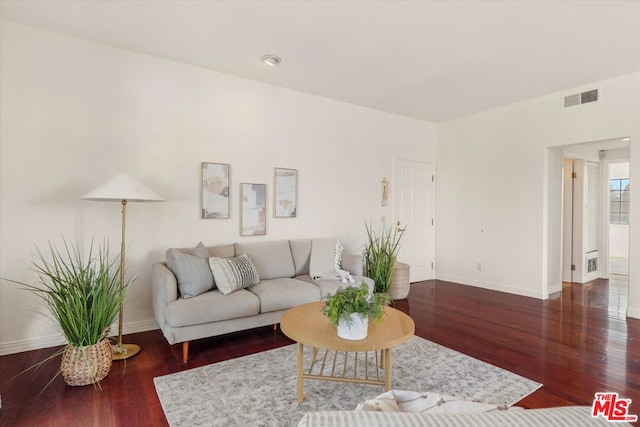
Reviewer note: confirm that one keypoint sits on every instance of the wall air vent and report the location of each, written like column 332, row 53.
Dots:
column 571, row 100
column 581, row 98
column 589, row 96
column 592, row 262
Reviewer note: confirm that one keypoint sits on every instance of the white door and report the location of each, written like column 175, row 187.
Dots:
column 567, row 220
column 574, row 229
column 413, row 198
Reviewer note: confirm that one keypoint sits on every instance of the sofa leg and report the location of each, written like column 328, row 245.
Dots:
column 275, row 326
column 185, row 352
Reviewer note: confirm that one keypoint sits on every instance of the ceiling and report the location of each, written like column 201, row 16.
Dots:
column 431, row 60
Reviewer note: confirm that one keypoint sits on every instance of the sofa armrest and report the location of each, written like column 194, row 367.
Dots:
column 164, row 288
column 353, row 264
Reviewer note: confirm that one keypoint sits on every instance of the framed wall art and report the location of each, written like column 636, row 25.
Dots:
column 253, row 209
column 215, row 191
column 285, row 200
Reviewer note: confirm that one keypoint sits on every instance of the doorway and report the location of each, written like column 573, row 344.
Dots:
column 618, row 239
column 619, row 192
column 585, row 241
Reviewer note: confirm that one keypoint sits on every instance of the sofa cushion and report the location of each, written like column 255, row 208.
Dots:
column 272, row 259
column 301, row 252
column 232, row 274
column 222, row 251
column 192, row 270
column 330, row 286
column 211, row 306
column 353, row 263
column 284, row 293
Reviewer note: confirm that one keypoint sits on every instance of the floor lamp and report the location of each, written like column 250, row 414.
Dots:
column 123, row 188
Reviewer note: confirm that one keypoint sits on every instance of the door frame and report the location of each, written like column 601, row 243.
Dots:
column 552, row 208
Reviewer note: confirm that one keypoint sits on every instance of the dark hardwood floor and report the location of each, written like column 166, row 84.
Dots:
column 575, row 344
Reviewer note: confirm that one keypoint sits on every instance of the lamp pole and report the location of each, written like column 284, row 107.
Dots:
column 123, row 351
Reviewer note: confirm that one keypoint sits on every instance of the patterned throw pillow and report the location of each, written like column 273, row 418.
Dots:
column 231, row 274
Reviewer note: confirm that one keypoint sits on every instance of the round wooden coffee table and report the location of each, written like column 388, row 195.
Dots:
column 307, row 325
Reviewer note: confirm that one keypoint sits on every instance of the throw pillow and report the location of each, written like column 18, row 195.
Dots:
column 424, row 403
column 232, row 274
column 322, row 263
column 345, row 276
column 326, row 261
column 192, row 270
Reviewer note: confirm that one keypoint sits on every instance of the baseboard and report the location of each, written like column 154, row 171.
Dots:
column 500, row 287
column 555, row 288
column 19, row 346
column 135, row 327
column 633, row 312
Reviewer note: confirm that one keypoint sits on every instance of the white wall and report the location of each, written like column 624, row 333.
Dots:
column 494, row 173
column 619, row 240
column 76, row 113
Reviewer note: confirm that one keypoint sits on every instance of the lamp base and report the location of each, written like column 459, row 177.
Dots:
column 124, row 351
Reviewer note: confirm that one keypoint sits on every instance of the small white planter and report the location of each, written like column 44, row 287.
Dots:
column 357, row 330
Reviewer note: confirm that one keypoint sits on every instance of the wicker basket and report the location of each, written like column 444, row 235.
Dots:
column 399, row 286
column 86, row 365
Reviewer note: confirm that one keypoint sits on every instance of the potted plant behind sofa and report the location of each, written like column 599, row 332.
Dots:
column 83, row 296
column 350, row 309
column 380, row 254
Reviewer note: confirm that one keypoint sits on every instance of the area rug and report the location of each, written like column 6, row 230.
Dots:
column 260, row 389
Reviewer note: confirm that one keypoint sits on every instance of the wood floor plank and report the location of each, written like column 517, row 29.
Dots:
column 576, row 343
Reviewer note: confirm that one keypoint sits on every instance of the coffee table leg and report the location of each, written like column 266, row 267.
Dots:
column 300, row 362
column 387, row 369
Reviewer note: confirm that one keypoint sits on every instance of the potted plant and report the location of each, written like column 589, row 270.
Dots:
column 83, row 296
column 350, row 309
column 380, row 254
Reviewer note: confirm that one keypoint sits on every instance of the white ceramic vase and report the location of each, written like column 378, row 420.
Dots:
column 357, row 330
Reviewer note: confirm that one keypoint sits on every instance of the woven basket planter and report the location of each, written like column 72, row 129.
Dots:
column 399, row 286
column 86, row 365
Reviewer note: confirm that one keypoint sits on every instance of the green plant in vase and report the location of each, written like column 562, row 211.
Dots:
column 380, row 254
column 83, row 296
column 352, row 306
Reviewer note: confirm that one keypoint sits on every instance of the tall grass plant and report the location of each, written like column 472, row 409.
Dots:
column 82, row 294
column 380, row 253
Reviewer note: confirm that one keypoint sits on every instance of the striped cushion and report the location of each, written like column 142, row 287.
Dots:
column 231, row 274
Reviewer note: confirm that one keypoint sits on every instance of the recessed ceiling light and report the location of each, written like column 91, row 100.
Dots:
column 270, row 60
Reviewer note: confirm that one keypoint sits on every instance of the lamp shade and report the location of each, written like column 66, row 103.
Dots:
column 123, row 187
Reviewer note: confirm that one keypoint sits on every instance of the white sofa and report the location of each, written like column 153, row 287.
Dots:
column 566, row 416
column 431, row 409
column 283, row 267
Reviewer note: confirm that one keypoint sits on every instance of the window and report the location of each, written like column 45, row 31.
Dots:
column 619, row 199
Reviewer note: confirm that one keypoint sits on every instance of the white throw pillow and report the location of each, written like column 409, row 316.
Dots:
column 321, row 264
column 424, row 403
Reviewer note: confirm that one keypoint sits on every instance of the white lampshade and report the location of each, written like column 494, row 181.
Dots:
column 123, row 187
